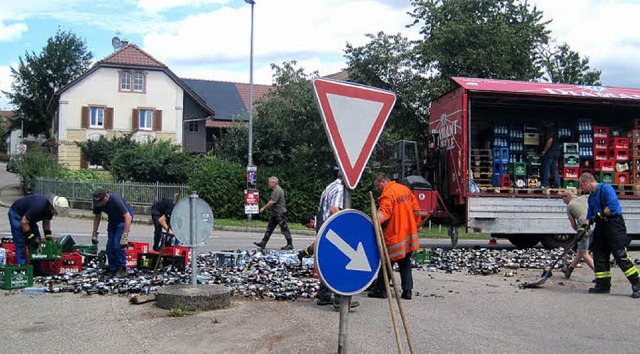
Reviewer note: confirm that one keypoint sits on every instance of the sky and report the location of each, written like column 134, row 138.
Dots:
column 211, row 39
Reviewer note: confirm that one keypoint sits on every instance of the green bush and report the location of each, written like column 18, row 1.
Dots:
column 158, row 161
column 221, row 184
column 37, row 162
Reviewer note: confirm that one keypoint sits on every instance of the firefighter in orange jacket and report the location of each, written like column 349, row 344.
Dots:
column 398, row 214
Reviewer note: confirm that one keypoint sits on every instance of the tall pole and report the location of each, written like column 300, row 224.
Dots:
column 250, row 154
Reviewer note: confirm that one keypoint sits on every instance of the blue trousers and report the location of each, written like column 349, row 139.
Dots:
column 550, row 169
column 18, row 238
column 115, row 253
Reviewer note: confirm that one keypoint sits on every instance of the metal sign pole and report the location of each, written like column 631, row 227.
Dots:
column 345, row 301
column 192, row 237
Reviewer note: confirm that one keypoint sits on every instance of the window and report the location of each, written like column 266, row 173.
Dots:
column 97, row 117
column 138, row 82
column 146, row 119
column 193, row 127
column 125, row 81
column 133, row 79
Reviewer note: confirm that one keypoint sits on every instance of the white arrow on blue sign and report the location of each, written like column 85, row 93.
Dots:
column 347, row 254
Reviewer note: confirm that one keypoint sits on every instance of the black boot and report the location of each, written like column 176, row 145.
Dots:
column 567, row 270
column 603, row 286
column 260, row 244
column 635, row 287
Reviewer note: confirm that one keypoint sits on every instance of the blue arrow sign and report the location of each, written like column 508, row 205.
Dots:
column 347, row 253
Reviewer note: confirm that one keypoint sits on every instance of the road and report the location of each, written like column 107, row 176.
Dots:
column 450, row 313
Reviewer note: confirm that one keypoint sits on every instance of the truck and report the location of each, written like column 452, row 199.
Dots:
column 481, row 158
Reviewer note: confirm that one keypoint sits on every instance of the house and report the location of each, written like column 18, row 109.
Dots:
column 127, row 91
column 230, row 101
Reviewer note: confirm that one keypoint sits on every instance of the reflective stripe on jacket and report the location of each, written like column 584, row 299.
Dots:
column 397, row 207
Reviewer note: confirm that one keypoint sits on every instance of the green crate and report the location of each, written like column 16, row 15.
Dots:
column 16, row 276
column 572, row 161
column 49, row 250
column 85, row 249
column 67, row 243
column 570, row 183
column 606, row 177
column 519, row 168
column 422, row 256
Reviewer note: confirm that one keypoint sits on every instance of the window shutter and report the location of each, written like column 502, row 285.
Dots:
column 108, row 118
column 85, row 117
column 135, row 121
column 157, row 120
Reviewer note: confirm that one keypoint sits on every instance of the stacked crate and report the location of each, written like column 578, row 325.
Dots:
column 585, row 145
column 603, row 164
column 532, row 156
column 619, row 152
column 635, row 154
column 570, row 165
column 500, row 161
column 481, row 167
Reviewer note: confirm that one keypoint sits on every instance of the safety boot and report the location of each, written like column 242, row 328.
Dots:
column 567, row 270
column 260, row 244
column 603, row 286
column 287, row 247
column 635, row 291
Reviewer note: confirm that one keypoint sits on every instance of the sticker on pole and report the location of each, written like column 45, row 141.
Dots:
column 353, row 117
column 347, row 254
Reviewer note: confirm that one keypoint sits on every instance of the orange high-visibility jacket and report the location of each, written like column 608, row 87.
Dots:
column 397, row 213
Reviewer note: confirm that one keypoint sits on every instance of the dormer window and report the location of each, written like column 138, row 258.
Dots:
column 133, row 81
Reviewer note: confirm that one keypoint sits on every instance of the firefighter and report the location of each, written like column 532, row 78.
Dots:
column 609, row 235
column 398, row 212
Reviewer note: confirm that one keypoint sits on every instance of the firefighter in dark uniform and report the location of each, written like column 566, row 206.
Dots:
column 609, row 235
column 161, row 217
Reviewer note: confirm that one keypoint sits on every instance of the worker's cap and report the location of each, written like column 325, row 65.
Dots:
column 59, row 203
column 98, row 197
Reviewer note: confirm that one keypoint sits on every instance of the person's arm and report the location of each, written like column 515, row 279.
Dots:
column 24, row 223
column 572, row 220
column 127, row 223
column 163, row 222
column 267, row 206
column 547, row 146
column 96, row 222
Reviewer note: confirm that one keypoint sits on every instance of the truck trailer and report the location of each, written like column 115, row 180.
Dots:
column 483, row 155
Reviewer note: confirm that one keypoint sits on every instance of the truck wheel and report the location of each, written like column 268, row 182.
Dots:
column 551, row 241
column 524, row 241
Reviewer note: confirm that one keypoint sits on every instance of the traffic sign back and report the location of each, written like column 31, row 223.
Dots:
column 347, row 254
column 353, row 117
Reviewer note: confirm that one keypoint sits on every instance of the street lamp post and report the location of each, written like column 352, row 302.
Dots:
column 250, row 154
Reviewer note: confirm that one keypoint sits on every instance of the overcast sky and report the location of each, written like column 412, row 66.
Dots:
column 210, row 39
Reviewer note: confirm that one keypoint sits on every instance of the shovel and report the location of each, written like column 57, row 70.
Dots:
column 547, row 273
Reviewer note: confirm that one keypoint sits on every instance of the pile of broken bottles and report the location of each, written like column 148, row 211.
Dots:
column 279, row 274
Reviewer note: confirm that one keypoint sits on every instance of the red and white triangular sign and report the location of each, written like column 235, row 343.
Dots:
column 353, row 117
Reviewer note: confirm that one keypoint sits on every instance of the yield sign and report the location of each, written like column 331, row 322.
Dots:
column 353, row 117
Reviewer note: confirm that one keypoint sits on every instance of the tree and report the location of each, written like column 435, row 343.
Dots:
column 102, row 151
column 494, row 39
column 564, row 66
column 39, row 76
column 156, row 161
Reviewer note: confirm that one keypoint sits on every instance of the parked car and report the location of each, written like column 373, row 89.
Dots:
column 12, row 164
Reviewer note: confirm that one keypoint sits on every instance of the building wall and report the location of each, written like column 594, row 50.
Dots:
column 101, row 88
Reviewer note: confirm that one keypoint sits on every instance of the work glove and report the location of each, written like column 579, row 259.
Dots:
column 582, row 231
column 304, row 253
column 600, row 216
column 31, row 239
column 47, row 235
column 124, row 241
column 94, row 238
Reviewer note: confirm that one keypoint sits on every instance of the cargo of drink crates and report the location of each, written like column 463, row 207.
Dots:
column 16, row 276
column 49, row 250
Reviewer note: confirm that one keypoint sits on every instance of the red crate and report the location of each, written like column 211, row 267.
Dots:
column 132, row 257
column 71, row 263
column 600, row 132
column 570, row 173
column 11, row 258
column 177, row 251
column 586, row 169
column 7, row 244
column 605, row 166
column 619, row 143
column 601, row 143
column 505, row 181
column 622, row 178
column 620, row 154
column 139, row 247
column 599, row 155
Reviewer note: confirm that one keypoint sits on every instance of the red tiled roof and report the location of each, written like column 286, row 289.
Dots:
column 258, row 92
column 8, row 114
column 342, row 75
column 131, row 54
column 210, row 123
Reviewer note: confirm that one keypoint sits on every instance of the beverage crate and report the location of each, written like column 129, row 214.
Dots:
column 605, row 166
column 619, row 143
column 519, row 169
column 586, row 169
column 66, row 243
column 600, row 132
column 422, row 256
column 622, row 178
column 570, row 173
column 177, row 251
column 71, row 263
column 532, row 139
column 49, row 250
column 85, row 249
column 570, row 183
column 570, row 148
column 606, row 177
column 571, row 160
column 140, row 247
column 148, row 261
column 601, row 143
column 228, row 259
column 7, row 244
column 533, row 182
column 600, row 155
column 16, row 276
column 131, row 257
column 620, row 154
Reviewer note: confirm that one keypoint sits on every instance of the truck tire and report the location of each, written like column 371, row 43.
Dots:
column 551, row 241
column 524, row 241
